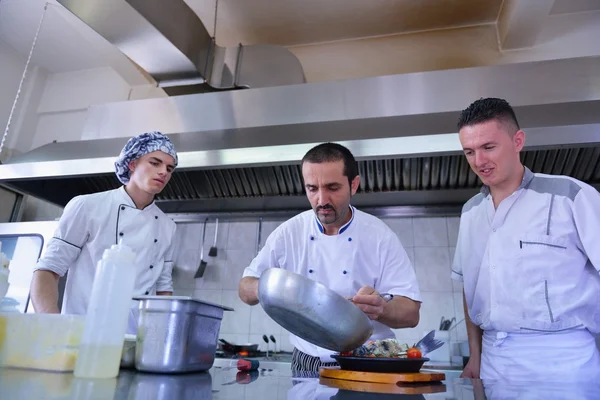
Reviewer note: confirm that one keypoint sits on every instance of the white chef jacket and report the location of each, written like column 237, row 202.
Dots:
column 364, row 252
column 92, row 223
column 531, row 276
column 533, row 264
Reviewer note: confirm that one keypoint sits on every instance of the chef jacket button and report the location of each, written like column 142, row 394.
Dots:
column 156, row 217
column 349, row 239
column 155, row 240
column 152, row 266
column 122, row 207
column 310, row 271
column 147, row 292
column 312, row 238
column 120, row 233
column 345, row 272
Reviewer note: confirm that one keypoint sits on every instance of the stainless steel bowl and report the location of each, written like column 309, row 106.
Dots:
column 177, row 334
column 311, row 311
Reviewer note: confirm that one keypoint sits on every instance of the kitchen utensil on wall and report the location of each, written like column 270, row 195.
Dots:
column 312, row 311
column 274, row 343
column 258, row 235
column 429, row 343
column 202, row 266
column 213, row 250
column 266, row 339
column 445, row 324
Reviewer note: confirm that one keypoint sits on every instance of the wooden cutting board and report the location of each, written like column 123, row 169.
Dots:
column 381, row 377
column 389, row 388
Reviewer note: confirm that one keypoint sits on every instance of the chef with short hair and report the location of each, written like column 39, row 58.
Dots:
column 93, row 223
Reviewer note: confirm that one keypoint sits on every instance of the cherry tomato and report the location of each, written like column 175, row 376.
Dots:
column 413, row 352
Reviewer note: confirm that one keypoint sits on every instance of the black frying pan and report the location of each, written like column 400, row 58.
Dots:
column 234, row 348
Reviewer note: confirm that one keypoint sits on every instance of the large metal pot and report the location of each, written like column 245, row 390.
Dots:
column 176, row 334
column 311, row 311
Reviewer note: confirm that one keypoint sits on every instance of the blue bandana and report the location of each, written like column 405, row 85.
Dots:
column 139, row 146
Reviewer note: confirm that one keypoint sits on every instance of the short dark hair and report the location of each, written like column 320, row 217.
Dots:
column 484, row 110
column 331, row 152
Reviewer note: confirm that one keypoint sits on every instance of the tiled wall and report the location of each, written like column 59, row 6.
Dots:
column 429, row 243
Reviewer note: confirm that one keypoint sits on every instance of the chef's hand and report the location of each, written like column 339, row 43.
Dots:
column 472, row 369
column 369, row 301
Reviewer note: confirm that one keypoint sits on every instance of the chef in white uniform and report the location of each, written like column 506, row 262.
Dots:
column 529, row 256
column 92, row 223
column 349, row 251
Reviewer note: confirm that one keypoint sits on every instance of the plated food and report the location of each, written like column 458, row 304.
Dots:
column 386, row 348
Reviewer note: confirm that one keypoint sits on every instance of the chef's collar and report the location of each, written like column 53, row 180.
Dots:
column 342, row 228
column 527, row 177
column 127, row 200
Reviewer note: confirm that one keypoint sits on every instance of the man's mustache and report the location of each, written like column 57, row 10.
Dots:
column 326, row 207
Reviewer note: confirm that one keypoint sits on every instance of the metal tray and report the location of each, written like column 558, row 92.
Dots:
column 379, row 364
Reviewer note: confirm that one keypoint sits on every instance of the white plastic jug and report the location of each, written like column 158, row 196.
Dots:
column 107, row 314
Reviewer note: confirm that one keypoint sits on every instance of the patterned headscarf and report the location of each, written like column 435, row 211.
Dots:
column 139, row 146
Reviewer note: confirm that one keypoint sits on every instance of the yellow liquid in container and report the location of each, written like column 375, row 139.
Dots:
column 98, row 361
column 40, row 341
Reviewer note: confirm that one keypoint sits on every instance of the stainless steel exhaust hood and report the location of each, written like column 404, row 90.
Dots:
column 240, row 150
column 169, row 42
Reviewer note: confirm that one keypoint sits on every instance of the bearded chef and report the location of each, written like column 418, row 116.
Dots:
column 93, row 223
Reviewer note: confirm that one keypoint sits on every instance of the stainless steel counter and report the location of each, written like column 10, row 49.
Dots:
column 274, row 380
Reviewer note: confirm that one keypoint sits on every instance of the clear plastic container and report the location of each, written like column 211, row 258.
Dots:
column 47, row 342
column 107, row 315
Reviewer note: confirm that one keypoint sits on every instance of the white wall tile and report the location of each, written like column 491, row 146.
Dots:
column 430, row 232
column 189, row 236
column 410, row 251
column 459, row 333
column 435, row 305
column 451, row 252
column 237, row 321
column 432, row 266
column 242, row 235
column 403, row 228
column 237, row 261
column 212, row 296
column 186, row 265
column 406, row 336
column 453, row 224
column 188, row 292
column 261, row 323
column 285, row 344
column 215, row 273
column 267, row 228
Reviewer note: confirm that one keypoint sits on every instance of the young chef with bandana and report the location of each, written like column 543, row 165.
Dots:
column 528, row 254
column 93, row 223
column 349, row 251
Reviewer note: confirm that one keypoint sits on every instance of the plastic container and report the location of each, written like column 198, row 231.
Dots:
column 47, row 342
column 107, row 314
